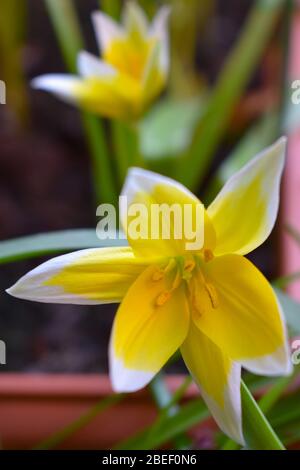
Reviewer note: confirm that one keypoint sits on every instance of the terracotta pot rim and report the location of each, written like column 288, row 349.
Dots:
column 72, row 385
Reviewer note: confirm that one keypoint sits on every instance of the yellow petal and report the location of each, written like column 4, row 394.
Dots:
column 149, row 327
column 154, row 77
column 218, row 379
column 135, row 21
column 93, row 276
column 114, row 96
column 153, row 191
column 241, row 314
column 244, row 212
column 101, row 89
column 130, row 56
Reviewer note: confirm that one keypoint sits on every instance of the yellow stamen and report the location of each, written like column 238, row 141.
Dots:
column 212, row 293
column 208, row 255
column 177, row 281
column 189, row 265
column 188, row 268
column 163, row 298
column 157, row 275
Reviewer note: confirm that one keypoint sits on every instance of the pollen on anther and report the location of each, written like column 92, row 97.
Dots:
column 157, row 275
column 208, row 255
column 163, row 298
column 189, row 266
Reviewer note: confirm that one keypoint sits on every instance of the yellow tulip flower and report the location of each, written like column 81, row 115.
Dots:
column 213, row 304
column 132, row 72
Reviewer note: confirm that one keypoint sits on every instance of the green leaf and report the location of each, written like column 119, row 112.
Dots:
column 286, row 411
column 66, row 26
column 168, row 404
column 293, row 232
column 167, row 129
column 52, row 242
column 259, row 434
column 291, row 117
column 233, row 79
column 259, row 136
column 291, row 310
column 166, row 429
column 57, row 438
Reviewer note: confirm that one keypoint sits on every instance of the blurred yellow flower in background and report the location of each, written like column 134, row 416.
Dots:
column 132, row 72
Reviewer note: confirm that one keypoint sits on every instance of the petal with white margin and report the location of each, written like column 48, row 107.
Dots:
column 135, row 20
column 241, row 314
column 218, row 379
column 151, row 190
column 62, row 85
column 148, row 329
column 245, row 210
column 92, row 276
column 106, row 30
column 91, row 66
column 159, row 29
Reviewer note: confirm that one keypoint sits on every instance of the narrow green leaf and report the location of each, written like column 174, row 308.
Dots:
column 259, row 434
column 291, row 310
column 235, row 75
column 293, row 233
column 270, row 398
column 67, row 29
column 284, row 281
column 286, row 411
column 52, row 242
column 259, row 136
column 126, row 146
column 167, row 406
column 189, row 415
column 68, row 431
column 111, row 8
column 267, row 402
column 166, row 131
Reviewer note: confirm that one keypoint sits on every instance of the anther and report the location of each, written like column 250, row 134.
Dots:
column 208, row 255
column 189, row 266
column 157, row 275
column 163, row 298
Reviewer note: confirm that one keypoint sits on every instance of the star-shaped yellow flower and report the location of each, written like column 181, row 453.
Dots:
column 132, row 72
column 212, row 303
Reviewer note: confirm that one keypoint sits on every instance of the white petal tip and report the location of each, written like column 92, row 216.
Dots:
column 37, row 83
column 62, row 85
column 126, row 380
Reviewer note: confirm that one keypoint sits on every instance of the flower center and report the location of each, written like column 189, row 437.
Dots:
column 188, row 270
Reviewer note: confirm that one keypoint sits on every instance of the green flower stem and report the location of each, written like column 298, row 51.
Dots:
column 59, row 437
column 105, row 186
column 111, row 8
column 67, row 29
column 126, row 147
